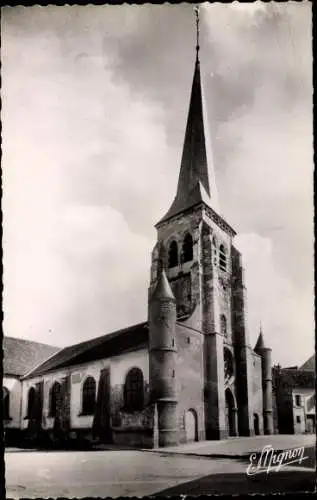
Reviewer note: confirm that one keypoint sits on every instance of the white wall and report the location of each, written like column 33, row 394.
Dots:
column 119, row 366
column 300, row 411
column 14, row 387
column 310, row 411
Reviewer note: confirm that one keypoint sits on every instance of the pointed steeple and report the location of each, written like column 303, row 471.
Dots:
column 196, row 181
column 260, row 342
column 163, row 289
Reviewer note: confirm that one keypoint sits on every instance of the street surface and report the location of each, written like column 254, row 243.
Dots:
column 172, row 471
column 103, row 473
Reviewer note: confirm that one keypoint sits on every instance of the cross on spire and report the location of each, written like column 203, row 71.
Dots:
column 196, row 10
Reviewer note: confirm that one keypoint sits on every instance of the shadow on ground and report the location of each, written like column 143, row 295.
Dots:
column 241, row 483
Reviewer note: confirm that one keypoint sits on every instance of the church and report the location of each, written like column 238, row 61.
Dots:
column 188, row 373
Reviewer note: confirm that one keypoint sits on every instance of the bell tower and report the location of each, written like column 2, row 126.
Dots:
column 194, row 247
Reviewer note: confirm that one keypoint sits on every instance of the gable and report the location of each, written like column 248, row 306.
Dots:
column 310, row 364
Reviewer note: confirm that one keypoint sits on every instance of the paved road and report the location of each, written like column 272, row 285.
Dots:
column 136, row 473
column 103, row 473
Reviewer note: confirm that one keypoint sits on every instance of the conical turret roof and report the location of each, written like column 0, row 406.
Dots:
column 163, row 289
column 260, row 343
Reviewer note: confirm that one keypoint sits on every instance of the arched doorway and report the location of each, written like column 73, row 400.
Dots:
column 256, row 424
column 230, row 413
column 191, row 426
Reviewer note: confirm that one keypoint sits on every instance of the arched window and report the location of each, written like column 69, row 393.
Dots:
column 89, row 396
column 53, row 398
column 134, row 390
column 222, row 258
column 173, row 255
column 6, row 403
column 223, row 325
column 31, row 403
column 188, row 248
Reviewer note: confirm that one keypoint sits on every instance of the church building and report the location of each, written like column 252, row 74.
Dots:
column 188, row 373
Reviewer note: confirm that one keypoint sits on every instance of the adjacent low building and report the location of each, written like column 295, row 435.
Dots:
column 19, row 357
column 294, row 398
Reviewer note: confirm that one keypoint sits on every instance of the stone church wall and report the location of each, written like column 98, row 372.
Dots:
column 126, row 427
column 190, row 378
column 13, row 385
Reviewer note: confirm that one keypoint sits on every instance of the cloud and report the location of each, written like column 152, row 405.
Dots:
column 264, row 153
column 94, row 112
column 273, row 300
column 87, row 277
column 73, row 263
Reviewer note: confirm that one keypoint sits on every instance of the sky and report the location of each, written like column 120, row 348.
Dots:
column 94, row 106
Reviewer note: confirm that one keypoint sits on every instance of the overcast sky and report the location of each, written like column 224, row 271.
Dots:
column 94, row 112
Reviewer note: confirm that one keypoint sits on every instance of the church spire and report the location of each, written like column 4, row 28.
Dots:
column 196, row 182
column 196, row 9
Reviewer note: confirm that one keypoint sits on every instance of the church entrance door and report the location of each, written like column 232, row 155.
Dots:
column 191, row 426
column 230, row 415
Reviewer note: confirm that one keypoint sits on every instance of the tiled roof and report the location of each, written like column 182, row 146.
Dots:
column 294, row 378
column 310, row 364
column 99, row 348
column 20, row 356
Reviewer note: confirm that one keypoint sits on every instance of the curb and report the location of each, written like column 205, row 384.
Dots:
column 245, row 455
column 202, row 455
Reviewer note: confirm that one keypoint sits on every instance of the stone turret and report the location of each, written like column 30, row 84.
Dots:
column 265, row 353
column 162, row 351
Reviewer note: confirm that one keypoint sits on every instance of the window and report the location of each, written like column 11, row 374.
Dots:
column 222, row 258
column 173, row 255
column 134, row 390
column 31, row 403
column 297, row 400
column 188, row 248
column 6, row 403
column 223, row 325
column 89, row 396
column 53, row 398
column 298, row 419
column 228, row 364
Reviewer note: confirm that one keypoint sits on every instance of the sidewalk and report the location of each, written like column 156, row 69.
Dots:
column 238, row 447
